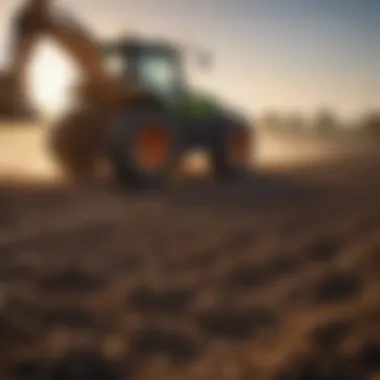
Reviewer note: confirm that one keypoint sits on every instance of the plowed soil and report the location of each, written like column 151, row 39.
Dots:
column 274, row 277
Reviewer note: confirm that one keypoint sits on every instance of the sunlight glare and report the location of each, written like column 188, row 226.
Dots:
column 51, row 74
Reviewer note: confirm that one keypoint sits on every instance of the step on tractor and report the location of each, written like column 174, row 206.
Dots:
column 133, row 109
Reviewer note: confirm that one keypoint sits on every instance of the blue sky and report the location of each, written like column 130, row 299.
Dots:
column 286, row 54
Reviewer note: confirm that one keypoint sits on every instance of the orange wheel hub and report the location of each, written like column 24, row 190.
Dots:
column 240, row 146
column 152, row 146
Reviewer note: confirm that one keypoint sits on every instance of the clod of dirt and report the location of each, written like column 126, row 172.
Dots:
column 247, row 277
column 323, row 250
column 369, row 356
column 282, row 266
column 237, row 325
column 71, row 281
column 330, row 335
column 28, row 370
column 75, row 366
column 177, row 346
column 203, row 259
column 242, row 240
column 260, row 275
column 318, row 369
column 337, row 287
column 75, row 317
column 12, row 332
column 170, row 301
column 84, row 366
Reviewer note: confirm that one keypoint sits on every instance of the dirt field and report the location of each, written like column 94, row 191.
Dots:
column 276, row 277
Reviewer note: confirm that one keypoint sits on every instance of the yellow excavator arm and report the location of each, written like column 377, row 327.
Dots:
column 39, row 19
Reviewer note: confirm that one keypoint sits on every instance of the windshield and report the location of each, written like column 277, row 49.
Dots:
column 160, row 74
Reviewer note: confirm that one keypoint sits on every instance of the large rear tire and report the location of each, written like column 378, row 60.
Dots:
column 231, row 152
column 76, row 143
column 144, row 148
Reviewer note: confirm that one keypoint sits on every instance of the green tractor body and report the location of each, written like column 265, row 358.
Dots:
column 185, row 120
column 201, row 121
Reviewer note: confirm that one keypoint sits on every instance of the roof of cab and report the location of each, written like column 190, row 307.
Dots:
column 134, row 43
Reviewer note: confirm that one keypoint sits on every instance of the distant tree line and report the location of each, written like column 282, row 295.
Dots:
column 370, row 124
column 324, row 122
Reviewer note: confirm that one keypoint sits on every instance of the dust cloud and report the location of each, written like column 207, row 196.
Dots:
column 24, row 154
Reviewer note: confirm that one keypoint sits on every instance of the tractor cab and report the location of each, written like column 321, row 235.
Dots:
column 155, row 66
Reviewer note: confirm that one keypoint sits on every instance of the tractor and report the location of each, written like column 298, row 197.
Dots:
column 133, row 109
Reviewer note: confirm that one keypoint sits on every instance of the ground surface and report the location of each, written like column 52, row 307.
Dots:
column 275, row 277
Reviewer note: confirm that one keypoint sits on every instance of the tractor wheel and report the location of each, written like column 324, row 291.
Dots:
column 144, row 148
column 231, row 152
column 76, row 143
